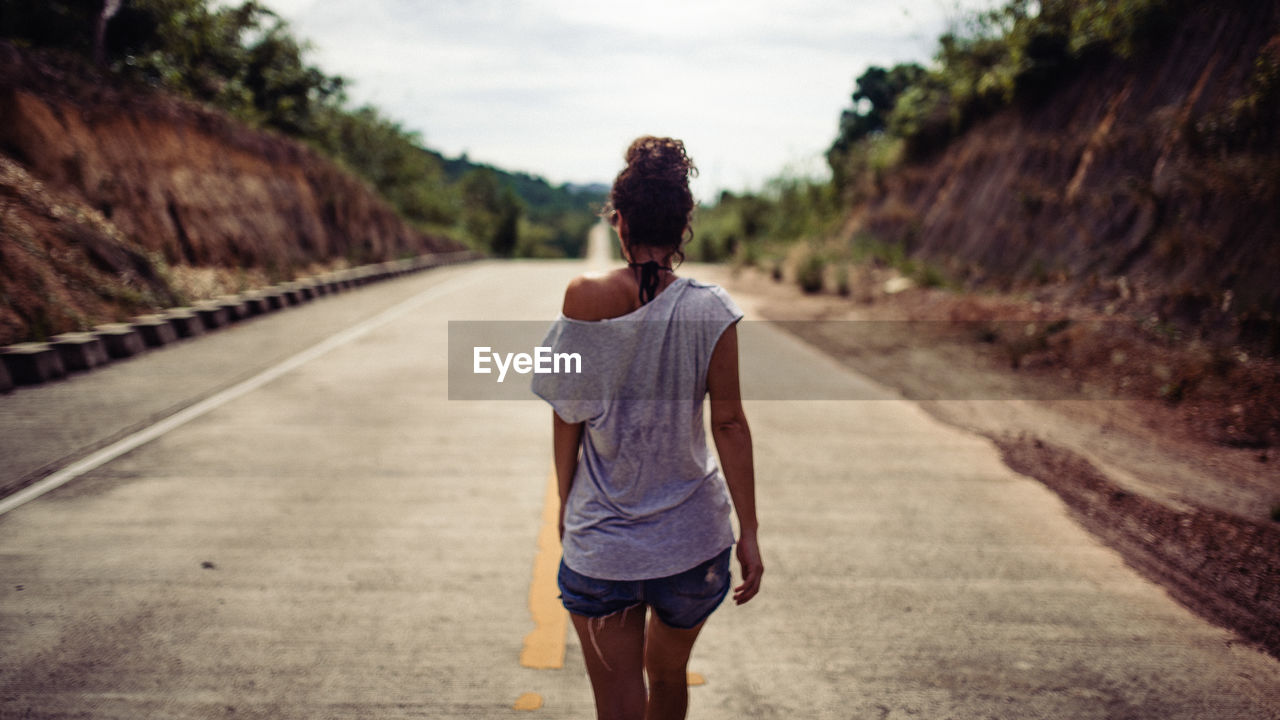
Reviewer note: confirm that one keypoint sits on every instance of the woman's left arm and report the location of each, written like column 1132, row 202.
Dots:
column 565, row 442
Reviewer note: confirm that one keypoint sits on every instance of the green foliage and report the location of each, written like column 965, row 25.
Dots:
column 561, row 214
column 925, row 116
column 1118, row 26
column 752, row 226
column 733, row 227
column 392, row 160
column 800, row 207
column 874, row 98
column 1017, row 52
column 556, row 219
column 565, row 230
column 534, row 241
column 491, row 211
column 976, row 72
column 242, row 59
column 287, row 94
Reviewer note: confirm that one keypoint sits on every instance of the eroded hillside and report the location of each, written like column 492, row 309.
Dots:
column 1151, row 181
column 115, row 201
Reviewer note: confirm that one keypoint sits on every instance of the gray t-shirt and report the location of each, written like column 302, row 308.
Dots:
column 648, row 499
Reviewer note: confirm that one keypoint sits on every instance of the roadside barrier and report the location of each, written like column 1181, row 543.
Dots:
column 33, row 363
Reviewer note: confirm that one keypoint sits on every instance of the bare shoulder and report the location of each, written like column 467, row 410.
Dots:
column 596, row 296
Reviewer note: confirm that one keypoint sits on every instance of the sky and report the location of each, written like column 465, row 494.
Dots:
column 559, row 88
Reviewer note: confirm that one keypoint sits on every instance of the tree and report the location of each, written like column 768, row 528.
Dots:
column 874, row 97
column 491, row 211
column 285, row 90
column 876, row 92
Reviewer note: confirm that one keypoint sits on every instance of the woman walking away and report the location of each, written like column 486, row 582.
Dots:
column 644, row 506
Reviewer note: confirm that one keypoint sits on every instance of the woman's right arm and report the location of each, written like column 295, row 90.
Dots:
column 733, row 443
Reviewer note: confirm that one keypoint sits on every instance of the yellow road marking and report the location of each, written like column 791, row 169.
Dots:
column 528, row 701
column 544, row 645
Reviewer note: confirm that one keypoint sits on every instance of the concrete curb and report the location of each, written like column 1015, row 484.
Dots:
column 80, row 351
column 36, row 363
column 213, row 316
column 255, row 304
column 155, row 330
column 121, row 339
column 32, row 363
column 184, row 321
column 236, row 307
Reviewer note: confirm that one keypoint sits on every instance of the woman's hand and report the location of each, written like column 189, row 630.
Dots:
column 752, row 568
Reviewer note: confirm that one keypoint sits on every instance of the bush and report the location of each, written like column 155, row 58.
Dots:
column 923, row 118
column 810, row 271
column 743, row 226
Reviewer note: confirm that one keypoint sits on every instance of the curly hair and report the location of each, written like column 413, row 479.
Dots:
column 652, row 193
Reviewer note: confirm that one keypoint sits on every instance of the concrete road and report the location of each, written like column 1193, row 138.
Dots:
column 330, row 537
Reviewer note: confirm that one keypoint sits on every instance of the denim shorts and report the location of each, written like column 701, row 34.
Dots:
column 681, row 601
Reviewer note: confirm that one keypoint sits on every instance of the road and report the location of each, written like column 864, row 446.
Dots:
column 330, row 536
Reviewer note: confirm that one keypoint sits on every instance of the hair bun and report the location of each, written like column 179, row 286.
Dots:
column 660, row 158
column 652, row 194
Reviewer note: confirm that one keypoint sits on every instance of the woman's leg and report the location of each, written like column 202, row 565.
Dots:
column 666, row 661
column 613, row 648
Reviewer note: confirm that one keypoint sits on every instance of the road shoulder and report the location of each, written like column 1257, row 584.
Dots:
column 1191, row 516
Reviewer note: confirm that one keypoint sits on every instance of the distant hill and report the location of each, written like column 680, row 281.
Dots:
column 601, row 189
column 541, row 198
column 559, row 215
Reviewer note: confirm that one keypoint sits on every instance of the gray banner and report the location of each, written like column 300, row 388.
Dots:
column 496, row 360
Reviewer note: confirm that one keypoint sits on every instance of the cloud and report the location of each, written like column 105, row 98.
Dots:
column 559, row 87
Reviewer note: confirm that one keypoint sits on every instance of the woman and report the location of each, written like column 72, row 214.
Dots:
column 644, row 507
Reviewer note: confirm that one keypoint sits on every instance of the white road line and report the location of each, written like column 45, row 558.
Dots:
column 146, row 435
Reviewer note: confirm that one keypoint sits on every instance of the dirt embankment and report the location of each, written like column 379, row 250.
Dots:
column 114, row 200
column 1156, row 176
